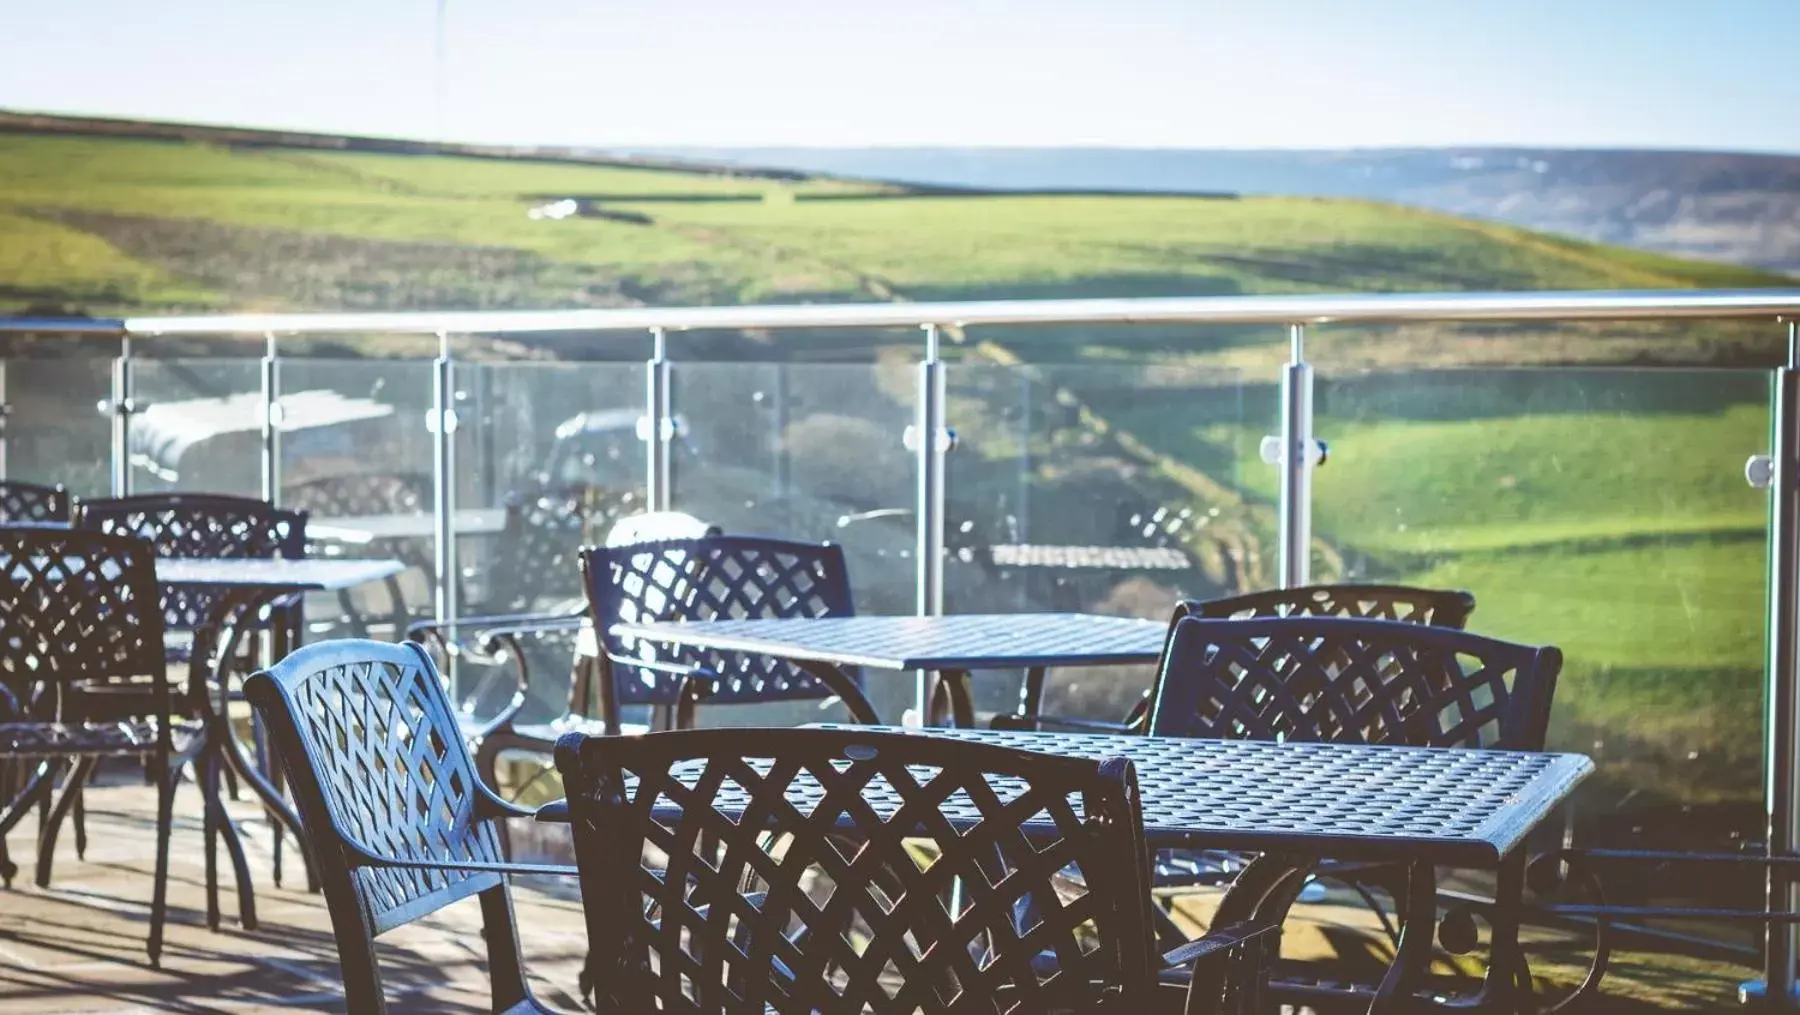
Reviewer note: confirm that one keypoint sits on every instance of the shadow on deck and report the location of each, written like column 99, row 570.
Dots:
column 78, row 946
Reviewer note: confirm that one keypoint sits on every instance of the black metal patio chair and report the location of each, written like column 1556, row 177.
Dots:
column 1408, row 603
column 209, row 525
column 361, row 494
column 534, row 557
column 32, row 502
column 394, row 815
column 499, row 644
column 27, row 503
column 725, row 577
column 80, row 617
column 839, row 871
column 204, row 525
column 541, row 540
column 1342, row 680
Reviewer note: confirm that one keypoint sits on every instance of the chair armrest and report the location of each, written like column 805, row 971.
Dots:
column 556, row 812
column 699, row 674
column 490, row 804
column 374, row 859
column 1041, row 723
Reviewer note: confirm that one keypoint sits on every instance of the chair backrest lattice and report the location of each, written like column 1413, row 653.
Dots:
column 199, row 525
column 746, row 870
column 80, row 607
column 1352, row 680
column 355, row 494
column 1437, row 607
column 362, row 494
column 535, row 556
column 713, row 578
column 31, row 502
column 369, row 739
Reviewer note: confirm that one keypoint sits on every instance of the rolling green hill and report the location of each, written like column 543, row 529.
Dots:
column 1600, row 510
column 109, row 224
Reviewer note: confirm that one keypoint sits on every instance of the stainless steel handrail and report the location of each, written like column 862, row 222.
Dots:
column 1319, row 309
column 63, row 325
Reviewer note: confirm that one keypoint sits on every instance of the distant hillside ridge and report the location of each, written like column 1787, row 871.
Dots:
column 21, row 122
column 1736, row 207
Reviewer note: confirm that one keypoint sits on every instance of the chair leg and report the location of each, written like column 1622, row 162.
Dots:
column 277, row 779
column 165, row 826
column 39, row 785
column 231, row 781
column 211, row 808
column 221, row 827
column 45, row 801
column 47, row 835
column 81, row 813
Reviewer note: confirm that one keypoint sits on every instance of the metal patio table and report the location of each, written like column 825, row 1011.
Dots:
column 245, row 586
column 360, row 530
column 1294, row 804
column 947, row 646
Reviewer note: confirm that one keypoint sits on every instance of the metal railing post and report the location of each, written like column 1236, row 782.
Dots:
column 122, row 408
column 271, row 422
column 443, row 482
column 929, row 445
column 1782, row 727
column 660, row 426
column 1296, row 462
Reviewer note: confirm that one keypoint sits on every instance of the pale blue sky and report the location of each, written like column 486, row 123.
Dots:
column 1192, row 73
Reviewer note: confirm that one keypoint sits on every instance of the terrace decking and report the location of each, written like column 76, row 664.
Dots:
column 78, row 946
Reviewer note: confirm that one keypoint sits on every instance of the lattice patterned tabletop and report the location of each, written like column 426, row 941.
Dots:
column 309, row 574
column 1455, row 807
column 966, row 641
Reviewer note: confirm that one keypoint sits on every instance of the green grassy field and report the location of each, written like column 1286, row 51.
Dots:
column 160, row 205
column 1600, row 510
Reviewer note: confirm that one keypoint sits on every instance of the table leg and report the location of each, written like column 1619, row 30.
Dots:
column 1507, row 985
column 1412, row 959
column 221, row 825
column 1262, row 894
column 223, row 746
column 1031, row 692
column 845, row 688
column 951, row 687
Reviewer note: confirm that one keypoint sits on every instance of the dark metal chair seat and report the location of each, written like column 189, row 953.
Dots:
column 133, row 737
